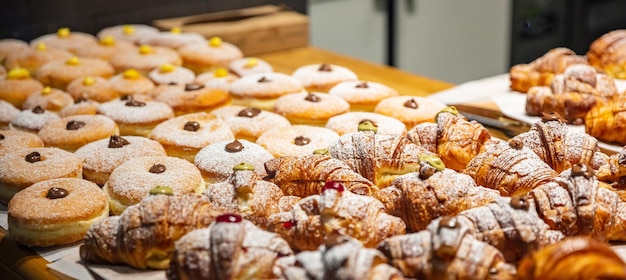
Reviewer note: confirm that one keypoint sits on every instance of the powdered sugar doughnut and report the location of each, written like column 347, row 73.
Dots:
column 128, row 32
column 70, row 133
column 144, row 59
column 411, row 110
column 362, row 95
column 32, row 120
column 322, row 77
column 216, row 161
column 220, row 78
column 101, row 157
column 131, row 82
column 171, row 74
column 24, row 167
column 11, row 140
column 190, row 98
column 65, row 39
column 136, row 117
column 17, row 86
column 206, row 56
column 105, row 48
column 349, row 122
column 132, row 180
column 7, row 113
column 249, row 123
column 59, row 73
column 94, row 88
column 34, row 57
column 310, row 108
column 297, row 140
column 185, row 135
column 50, row 99
column 261, row 90
column 172, row 39
column 249, row 65
column 80, row 107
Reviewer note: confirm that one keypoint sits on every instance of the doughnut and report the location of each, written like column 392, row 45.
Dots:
column 24, row 167
column 216, row 160
column 32, row 120
column 185, row 135
column 190, row 98
column 411, row 110
column 105, row 48
column 128, row 32
column 10, row 45
column 172, row 39
column 131, row 82
column 66, row 39
column 102, row 156
column 349, row 122
column 92, row 87
column 310, row 108
column 220, row 78
column 362, row 95
column 249, row 65
column 144, row 59
column 11, row 140
column 136, row 117
column 296, row 140
column 171, row 74
column 80, row 107
column 132, row 180
column 261, row 90
column 73, row 132
column 322, row 77
column 59, row 73
column 3, row 72
column 249, row 123
column 34, row 57
column 207, row 56
column 65, row 210
column 48, row 98
column 17, row 86
column 7, row 113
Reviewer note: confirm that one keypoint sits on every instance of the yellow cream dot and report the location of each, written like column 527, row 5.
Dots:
column 73, row 61
column 166, row 68
column 131, row 74
column 145, row 49
column 63, row 32
column 128, row 30
column 215, row 42
column 176, row 30
column 251, row 62
column 18, row 73
column 41, row 47
column 220, row 72
column 46, row 91
column 107, row 41
column 87, row 81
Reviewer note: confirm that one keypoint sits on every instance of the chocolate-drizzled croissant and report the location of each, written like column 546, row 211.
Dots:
column 230, row 248
column 559, row 147
column 447, row 250
column 255, row 199
column 573, row 258
column 306, row 175
column 378, row 157
column 143, row 235
column 342, row 258
column 335, row 211
column 510, row 168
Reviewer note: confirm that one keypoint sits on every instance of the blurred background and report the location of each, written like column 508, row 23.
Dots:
column 450, row 40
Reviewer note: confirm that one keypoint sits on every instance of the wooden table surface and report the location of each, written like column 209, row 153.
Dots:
column 17, row 262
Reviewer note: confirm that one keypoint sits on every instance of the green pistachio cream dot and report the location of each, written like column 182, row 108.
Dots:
column 321, row 152
column 368, row 126
column 162, row 190
column 433, row 161
column 449, row 109
column 243, row 166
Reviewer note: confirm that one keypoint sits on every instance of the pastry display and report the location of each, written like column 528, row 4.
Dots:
column 607, row 53
column 59, row 74
column 18, row 86
column 48, row 98
column 362, row 95
column 310, row 108
column 73, row 132
column 249, row 123
column 322, row 77
column 261, row 90
column 216, row 160
column 249, row 65
column 207, row 56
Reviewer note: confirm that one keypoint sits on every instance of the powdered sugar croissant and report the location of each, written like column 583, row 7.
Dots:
column 230, row 248
column 542, row 70
column 143, row 235
column 607, row 121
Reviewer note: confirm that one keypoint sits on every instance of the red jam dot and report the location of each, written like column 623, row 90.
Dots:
column 332, row 185
column 228, row 218
column 289, row 224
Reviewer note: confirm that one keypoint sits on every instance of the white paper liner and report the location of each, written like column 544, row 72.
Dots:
column 71, row 266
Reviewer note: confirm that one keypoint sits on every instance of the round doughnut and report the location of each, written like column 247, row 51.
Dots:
column 322, row 77
column 411, row 110
column 128, row 32
column 95, row 88
column 171, row 74
column 310, row 108
column 216, row 160
column 185, row 135
column 190, row 98
column 296, row 140
column 362, row 95
column 249, row 123
column 136, row 117
column 80, row 107
column 206, row 56
column 34, row 57
column 105, row 48
column 17, row 86
column 10, row 45
column 172, row 39
column 349, row 122
column 50, row 99
column 11, row 140
column 132, row 180
column 144, row 59
column 7, row 113
column 59, row 73
column 66, row 39
column 261, row 90
column 131, row 82
column 102, row 156
column 220, row 78
column 32, row 120
column 73, row 132
column 65, row 210
column 249, row 65
column 24, row 167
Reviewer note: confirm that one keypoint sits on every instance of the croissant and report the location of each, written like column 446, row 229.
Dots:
column 418, row 199
column 573, row 258
column 571, row 94
column 425, row 135
column 335, row 211
column 614, row 168
column 378, row 157
column 607, row 121
column 542, row 70
column 255, row 199
column 343, row 258
column 447, row 250
column 608, row 53
column 304, row 176
column 511, row 168
column 559, row 147
column 230, row 248
column 143, row 235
